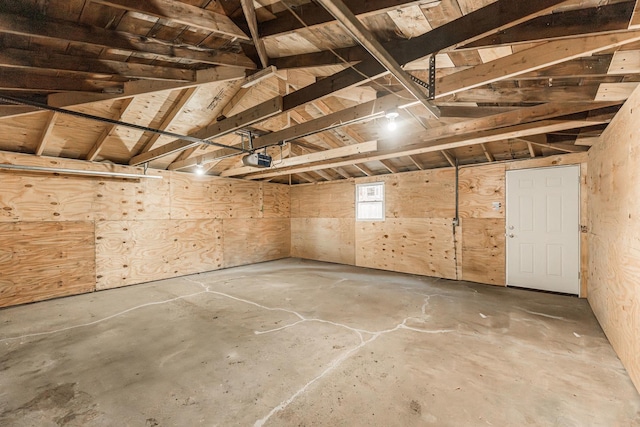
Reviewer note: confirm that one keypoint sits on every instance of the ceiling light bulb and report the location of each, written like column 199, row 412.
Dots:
column 199, row 169
column 391, row 119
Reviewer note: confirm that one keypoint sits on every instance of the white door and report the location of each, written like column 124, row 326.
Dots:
column 543, row 236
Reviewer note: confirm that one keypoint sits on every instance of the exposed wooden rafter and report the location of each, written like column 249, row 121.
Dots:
column 314, row 14
column 444, row 144
column 181, row 13
column 531, row 59
column 86, row 67
column 170, row 117
column 46, row 131
column 145, row 87
column 240, row 120
column 68, row 32
column 487, row 153
column 20, row 81
column 250, row 15
column 449, row 157
column 108, row 131
column 349, row 150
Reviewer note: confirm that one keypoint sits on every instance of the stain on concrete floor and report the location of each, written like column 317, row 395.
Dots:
column 302, row 343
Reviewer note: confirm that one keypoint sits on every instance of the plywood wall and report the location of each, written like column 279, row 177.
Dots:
column 614, row 234
column 324, row 239
column 418, row 235
column 322, row 222
column 416, row 238
column 40, row 260
column 482, row 214
column 63, row 235
column 410, row 245
column 130, row 252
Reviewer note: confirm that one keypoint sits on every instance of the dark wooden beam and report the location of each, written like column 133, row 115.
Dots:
column 472, row 112
column 531, row 95
column 94, row 36
column 181, row 13
column 18, row 80
column 313, row 14
column 600, row 19
column 19, row 58
column 590, row 66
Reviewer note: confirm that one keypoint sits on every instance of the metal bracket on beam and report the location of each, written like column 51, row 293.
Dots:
column 432, row 77
column 431, row 86
column 419, row 82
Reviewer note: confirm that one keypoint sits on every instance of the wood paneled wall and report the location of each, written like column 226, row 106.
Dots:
column 64, row 234
column 614, row 234
column 322, row 222
column 418, row 235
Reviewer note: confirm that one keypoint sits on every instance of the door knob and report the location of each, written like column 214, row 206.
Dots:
column 511, row 235
column 511, row 227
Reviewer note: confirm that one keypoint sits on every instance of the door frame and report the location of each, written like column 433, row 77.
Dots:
column 580, row 225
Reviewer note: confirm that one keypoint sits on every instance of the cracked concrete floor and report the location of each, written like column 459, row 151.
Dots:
column 302, row 343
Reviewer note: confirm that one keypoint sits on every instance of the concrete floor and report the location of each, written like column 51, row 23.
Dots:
column 301, row 343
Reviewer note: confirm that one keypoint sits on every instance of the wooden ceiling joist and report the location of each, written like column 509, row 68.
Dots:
column 16, row 110
column 252, row 21
column 27, row 59
column 146, row 87
column 246, row 118
column 416, row 163
column 528, row 60
column 181, row 13
column 46, row 131
column 110, row 39
column 389, row 166
column 358, row 113
column 349, row 150
column 568, row 23
column 490, row 157
column 431, row 146
column 362, row 168
column 313, row 14
column 18, row 80
column 132, row 88
column 516, row 116
column 175, row 110
column 563, row 148
column 528, row 95
column 108, row 131
column 530, row 116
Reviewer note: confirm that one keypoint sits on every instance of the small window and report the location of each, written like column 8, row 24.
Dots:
column 370, row 202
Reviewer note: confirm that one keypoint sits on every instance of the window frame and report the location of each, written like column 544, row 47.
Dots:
column 362, row 202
